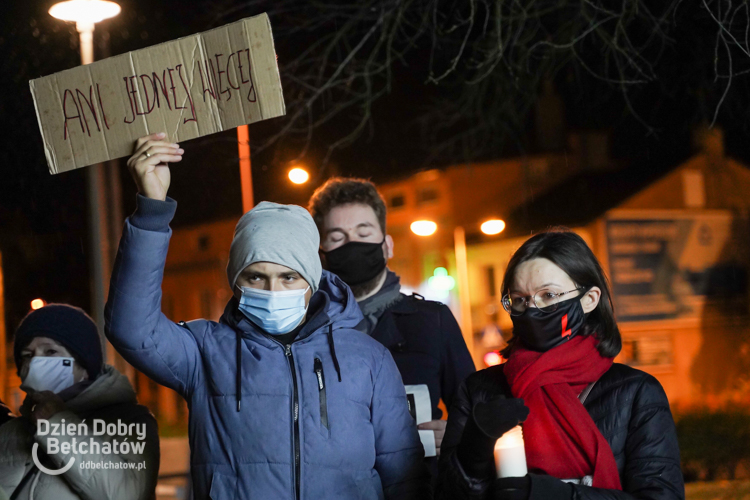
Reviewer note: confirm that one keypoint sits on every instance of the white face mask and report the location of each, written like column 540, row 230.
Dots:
column 48, row 373
column 275, row 312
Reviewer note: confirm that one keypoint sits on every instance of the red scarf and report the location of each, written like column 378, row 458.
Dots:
column 560, row 437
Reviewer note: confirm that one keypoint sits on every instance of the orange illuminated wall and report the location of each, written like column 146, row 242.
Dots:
column 195, row 283
column 698, row 358
column 460, row 195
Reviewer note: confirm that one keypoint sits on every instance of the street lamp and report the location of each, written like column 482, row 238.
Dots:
column 86, row 13
column 298, row 175
column 492, row 226
column 423, row 227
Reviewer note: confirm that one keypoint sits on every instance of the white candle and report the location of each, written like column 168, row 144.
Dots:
column 510, row 454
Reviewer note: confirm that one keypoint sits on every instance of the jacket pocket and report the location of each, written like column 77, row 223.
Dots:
column 322, row 393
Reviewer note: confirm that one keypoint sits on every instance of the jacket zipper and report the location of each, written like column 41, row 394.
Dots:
column 295, row 415
column 321, row 392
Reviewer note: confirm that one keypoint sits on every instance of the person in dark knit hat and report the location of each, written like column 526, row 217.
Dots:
column 58, row 355
column 60, row 326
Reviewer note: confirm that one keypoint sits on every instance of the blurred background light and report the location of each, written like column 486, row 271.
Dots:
column 492, row 358
column 493, row 226
column 84, row 11
column 298, row 175
column 441, row 281
column 38, row 304
column 423, row 227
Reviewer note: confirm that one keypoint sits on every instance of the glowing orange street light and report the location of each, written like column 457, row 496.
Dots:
column 37, row 304
column 493, row 226
column 298, row 175
column 423, row 227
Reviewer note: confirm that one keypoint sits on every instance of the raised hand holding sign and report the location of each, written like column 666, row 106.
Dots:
column 149, row 165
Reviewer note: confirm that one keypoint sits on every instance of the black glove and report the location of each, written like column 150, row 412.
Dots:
column 544, row 487
column 531, row 487
column 488, row 421
column 511, row 488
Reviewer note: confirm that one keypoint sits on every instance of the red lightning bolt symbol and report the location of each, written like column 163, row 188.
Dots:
column 565, row 331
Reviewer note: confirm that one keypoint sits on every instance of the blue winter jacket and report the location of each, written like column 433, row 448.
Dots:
column 324, row 417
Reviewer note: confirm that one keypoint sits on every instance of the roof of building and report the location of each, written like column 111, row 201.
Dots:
column 579, row 199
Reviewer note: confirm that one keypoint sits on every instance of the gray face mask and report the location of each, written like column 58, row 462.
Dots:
column 48, row 373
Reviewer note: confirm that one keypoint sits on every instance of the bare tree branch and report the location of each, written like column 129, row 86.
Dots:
column 487, row 57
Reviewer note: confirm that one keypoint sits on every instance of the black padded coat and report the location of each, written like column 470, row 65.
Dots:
column 630, row 409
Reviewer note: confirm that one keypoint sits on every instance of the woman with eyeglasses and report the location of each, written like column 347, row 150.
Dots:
column 592, row 429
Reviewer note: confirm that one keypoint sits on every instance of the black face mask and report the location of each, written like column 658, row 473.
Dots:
column 356, row 262
column 541, row 331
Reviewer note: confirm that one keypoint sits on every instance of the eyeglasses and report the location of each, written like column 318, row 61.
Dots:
column 545, row 300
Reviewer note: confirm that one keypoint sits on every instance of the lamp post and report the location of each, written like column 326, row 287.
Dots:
column 86, row 13
column 462, row 270
column 246, row 176
column 491, row 227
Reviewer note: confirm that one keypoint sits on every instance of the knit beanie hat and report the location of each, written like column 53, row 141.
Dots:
column 280, row 234
column 68, row 325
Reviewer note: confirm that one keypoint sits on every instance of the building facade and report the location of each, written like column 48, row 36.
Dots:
column 677, row 255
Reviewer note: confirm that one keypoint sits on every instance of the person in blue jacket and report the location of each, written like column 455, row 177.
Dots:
column 286, row 398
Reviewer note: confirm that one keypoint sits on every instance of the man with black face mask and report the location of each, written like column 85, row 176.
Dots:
column 422, row 335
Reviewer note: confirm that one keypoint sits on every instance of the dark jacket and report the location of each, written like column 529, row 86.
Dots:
column 5, row 413
column 630, row 409
column 427, row 345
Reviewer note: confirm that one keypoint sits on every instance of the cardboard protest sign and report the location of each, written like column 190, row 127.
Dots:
column 188, row 88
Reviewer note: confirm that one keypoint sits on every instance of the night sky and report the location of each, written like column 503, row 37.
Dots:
column 43, row 217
